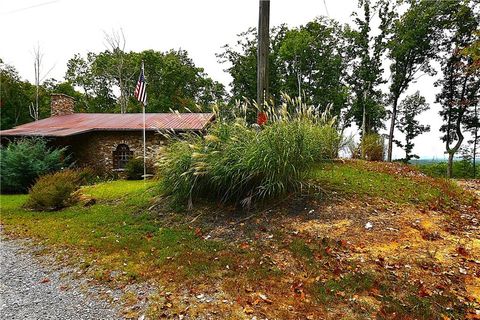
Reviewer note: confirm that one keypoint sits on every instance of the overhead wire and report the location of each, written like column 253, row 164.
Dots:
column 29, row 7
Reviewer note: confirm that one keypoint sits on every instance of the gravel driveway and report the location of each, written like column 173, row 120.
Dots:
column 29, row 290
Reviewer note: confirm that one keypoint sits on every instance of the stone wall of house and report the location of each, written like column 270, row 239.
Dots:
column 61, row 105
column 96, row 149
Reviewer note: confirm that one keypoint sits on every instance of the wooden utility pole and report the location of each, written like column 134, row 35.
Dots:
column 263, row 51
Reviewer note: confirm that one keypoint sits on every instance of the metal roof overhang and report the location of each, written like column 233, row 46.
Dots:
column 63, row 126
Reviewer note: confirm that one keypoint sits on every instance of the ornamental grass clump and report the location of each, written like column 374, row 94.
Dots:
column 371, row 147
column 55, row 191
column 242, row 163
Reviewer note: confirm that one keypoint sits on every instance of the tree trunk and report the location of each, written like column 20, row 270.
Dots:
column 452, row 151
column 475, row 139
column 37, row 93
column 475, row 155
column 450, row 165
column 364, row 117
column 299, row 80
column 392, row 128
column 37, row 64
column 458, row 129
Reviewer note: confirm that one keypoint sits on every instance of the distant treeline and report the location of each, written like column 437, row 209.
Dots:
column 436, row 160
column 462, row 168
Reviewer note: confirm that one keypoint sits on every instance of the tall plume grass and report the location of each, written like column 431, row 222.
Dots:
column 242, row 163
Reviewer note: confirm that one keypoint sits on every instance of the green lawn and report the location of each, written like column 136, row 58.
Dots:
column 11, row 202
column 119, row 234
column 115, row 190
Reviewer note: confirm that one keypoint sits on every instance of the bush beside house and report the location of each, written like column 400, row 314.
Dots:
column 134, row 169
column 57, row 190
column 25, row 160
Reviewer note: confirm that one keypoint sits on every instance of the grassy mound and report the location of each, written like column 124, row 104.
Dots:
column 395, row 182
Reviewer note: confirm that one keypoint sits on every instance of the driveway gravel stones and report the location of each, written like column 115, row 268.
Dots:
column 31, row 290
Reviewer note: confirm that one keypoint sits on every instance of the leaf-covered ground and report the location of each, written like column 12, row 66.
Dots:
column 368, row 240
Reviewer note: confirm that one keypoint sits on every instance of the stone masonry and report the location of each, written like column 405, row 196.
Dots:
column 95, row 149
column 61, row 104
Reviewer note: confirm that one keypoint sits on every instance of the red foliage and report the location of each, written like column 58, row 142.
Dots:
column 261, row 118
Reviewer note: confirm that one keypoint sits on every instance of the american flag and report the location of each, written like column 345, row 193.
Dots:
column 140, row 90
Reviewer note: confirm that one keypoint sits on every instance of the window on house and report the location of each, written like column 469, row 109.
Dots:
column 121, row 155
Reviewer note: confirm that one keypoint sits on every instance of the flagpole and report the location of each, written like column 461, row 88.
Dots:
column 144, row 148
column 144, row 136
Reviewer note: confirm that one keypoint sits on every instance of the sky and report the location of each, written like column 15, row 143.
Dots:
column 64, row 27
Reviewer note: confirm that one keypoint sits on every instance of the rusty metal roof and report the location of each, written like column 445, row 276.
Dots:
column 77, row 123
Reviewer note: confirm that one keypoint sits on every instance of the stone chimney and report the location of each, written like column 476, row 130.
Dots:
column 61, row 104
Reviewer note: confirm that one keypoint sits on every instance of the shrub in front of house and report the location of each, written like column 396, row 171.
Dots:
column 134, row 169
column 237, row 162
column 23, row 161
column 55, row 191
column 89, row 176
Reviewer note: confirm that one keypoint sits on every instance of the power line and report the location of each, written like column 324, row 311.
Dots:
column 30, row 7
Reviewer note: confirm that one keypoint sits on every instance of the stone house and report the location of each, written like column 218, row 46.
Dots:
column 106, row 141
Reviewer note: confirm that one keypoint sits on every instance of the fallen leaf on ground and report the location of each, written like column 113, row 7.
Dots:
column 248, row 310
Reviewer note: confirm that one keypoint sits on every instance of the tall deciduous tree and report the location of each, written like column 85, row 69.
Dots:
column 115, row 43
column 15, row 97
column 408, row 124
column 472, row 124
column 39, row 77
column 472, row 51
column 313, row 65
column 412, row 47
column 173, row 81
column 95, row 84
column 296, row 52
column 365, row 53
column 460, row 84
column 241, row 59
column 308, row 60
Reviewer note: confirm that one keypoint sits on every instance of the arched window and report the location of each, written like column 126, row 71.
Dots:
column 121, row 155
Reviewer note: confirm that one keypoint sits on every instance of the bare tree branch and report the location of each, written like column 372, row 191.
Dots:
column 116, row 43
column 34, row 108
